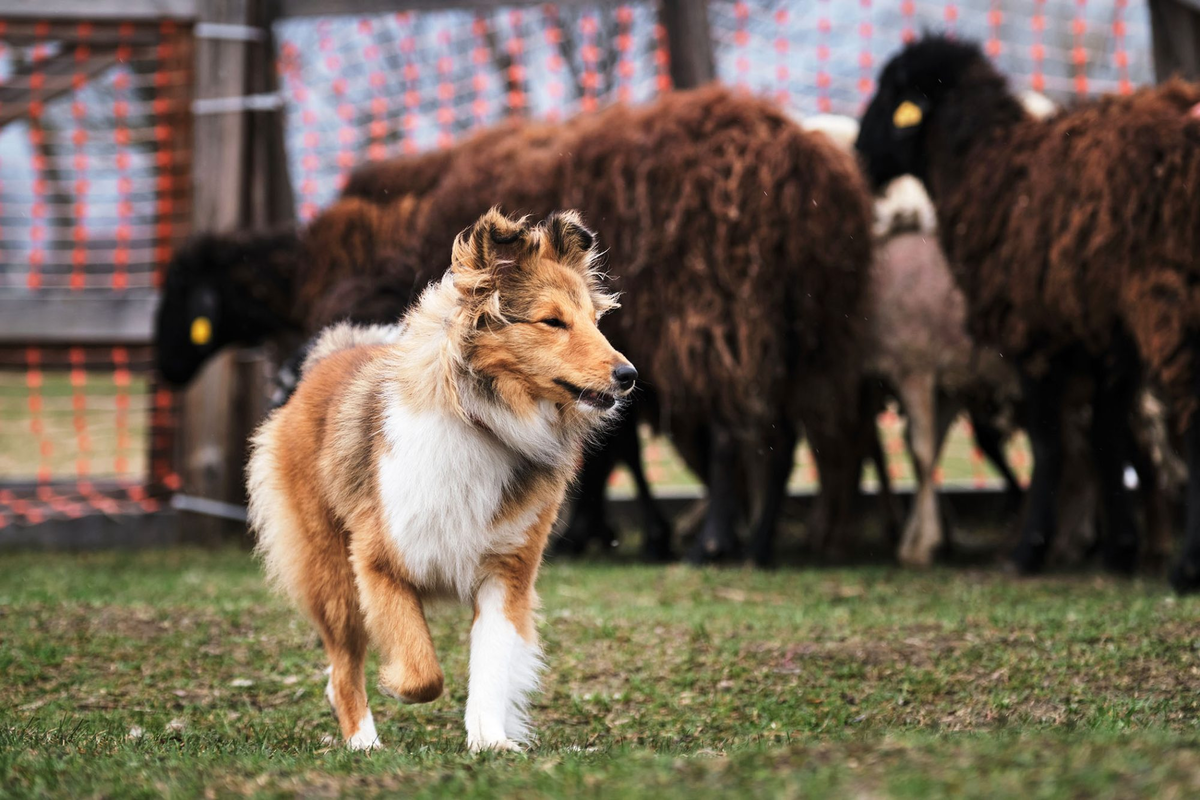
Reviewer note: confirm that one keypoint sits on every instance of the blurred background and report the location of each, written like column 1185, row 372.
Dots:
column 125, row 125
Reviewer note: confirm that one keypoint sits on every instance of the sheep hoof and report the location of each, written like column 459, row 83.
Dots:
column 1028, row 559
column 1185, row 577
column 657, row 548
column 1121, row 558
column 712, row 548
column 763, row 560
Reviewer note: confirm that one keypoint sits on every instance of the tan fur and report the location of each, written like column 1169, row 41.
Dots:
column 344, row 335
column 476, row 353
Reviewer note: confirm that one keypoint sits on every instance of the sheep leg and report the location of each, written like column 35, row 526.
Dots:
column 1043, row 397
column 717, row 540
column 990, row 441
column 656, row 531
column 589, row 515
column 1154, row 501
column 781, row 460
column 1185, row 576
column 838, row 469
column 1111, row 434
column 891, row 514
column 923, row 532
column 948, row 410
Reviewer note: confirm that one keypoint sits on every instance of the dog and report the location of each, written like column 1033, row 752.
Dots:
column 429, row 459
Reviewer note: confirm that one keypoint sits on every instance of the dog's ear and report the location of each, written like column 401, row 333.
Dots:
column 570, row 240
column 493, row 244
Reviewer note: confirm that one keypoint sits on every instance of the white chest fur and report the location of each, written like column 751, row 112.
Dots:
column 441, row 483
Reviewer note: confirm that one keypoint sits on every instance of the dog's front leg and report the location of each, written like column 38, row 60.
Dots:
column 505, row 657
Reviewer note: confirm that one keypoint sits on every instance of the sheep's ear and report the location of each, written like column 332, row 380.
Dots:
column 571, row 240
column 204, row 309
column 494, row 243
column 907, row 116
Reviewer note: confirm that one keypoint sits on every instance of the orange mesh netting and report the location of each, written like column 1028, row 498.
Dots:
column 94, row 194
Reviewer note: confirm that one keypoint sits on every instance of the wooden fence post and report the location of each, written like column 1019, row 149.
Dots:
column 690, row 42
column 1175, row 25
column 209, row 436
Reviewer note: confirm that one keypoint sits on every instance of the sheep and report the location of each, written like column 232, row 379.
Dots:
column 1075, row 241
column 252, row 286
column 918, row 345
column 222, row 290
column 742, row 245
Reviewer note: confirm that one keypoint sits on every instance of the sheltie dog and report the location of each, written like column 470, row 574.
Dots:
column 430, row 459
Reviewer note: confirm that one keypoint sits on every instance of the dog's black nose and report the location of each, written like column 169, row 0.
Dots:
column 625, row 375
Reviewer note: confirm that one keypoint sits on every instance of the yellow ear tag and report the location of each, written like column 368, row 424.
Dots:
column 201, row 331
column 907, row 115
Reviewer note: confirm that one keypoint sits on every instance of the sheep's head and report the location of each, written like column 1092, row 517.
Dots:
column 215, row 293
column 911, row 87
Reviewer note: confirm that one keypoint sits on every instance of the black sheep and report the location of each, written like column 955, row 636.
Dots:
column 1076, row 241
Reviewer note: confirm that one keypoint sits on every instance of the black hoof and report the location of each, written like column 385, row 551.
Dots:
column 1028, row 560
column 711, row 550
column 658, row 550
column 1121, row 559
column 1185, row 577
column 764, row 560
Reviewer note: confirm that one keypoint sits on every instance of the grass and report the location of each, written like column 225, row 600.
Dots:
column 175, row 673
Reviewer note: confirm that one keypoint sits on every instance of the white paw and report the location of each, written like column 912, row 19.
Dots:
column 495, row 745
column 361, row 743
column 366, row 738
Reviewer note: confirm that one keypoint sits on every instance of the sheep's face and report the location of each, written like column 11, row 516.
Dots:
column 188, row 329
column 891, row 139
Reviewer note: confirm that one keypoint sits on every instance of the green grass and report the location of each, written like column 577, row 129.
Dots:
column 176, row 673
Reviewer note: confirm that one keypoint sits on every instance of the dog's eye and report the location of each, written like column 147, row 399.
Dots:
column 554, row 322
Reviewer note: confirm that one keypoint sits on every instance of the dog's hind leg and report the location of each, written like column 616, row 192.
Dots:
column 333, row 604
column 396, row 621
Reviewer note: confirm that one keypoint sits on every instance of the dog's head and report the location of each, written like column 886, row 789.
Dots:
column 533, row 298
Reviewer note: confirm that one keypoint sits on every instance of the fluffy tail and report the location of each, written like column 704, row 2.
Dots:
column 346, row 335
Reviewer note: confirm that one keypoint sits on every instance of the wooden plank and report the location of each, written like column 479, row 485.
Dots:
column 96, row 532
column 209, row 451
column 690, row 42
column 1175, row 27
column 98, row 9
column 355, row 8
column 55, row 318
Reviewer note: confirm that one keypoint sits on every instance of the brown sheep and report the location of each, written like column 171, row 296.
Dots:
column 917, row 344
column 281, row 287
column 741, row 245
column 1076, row 241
